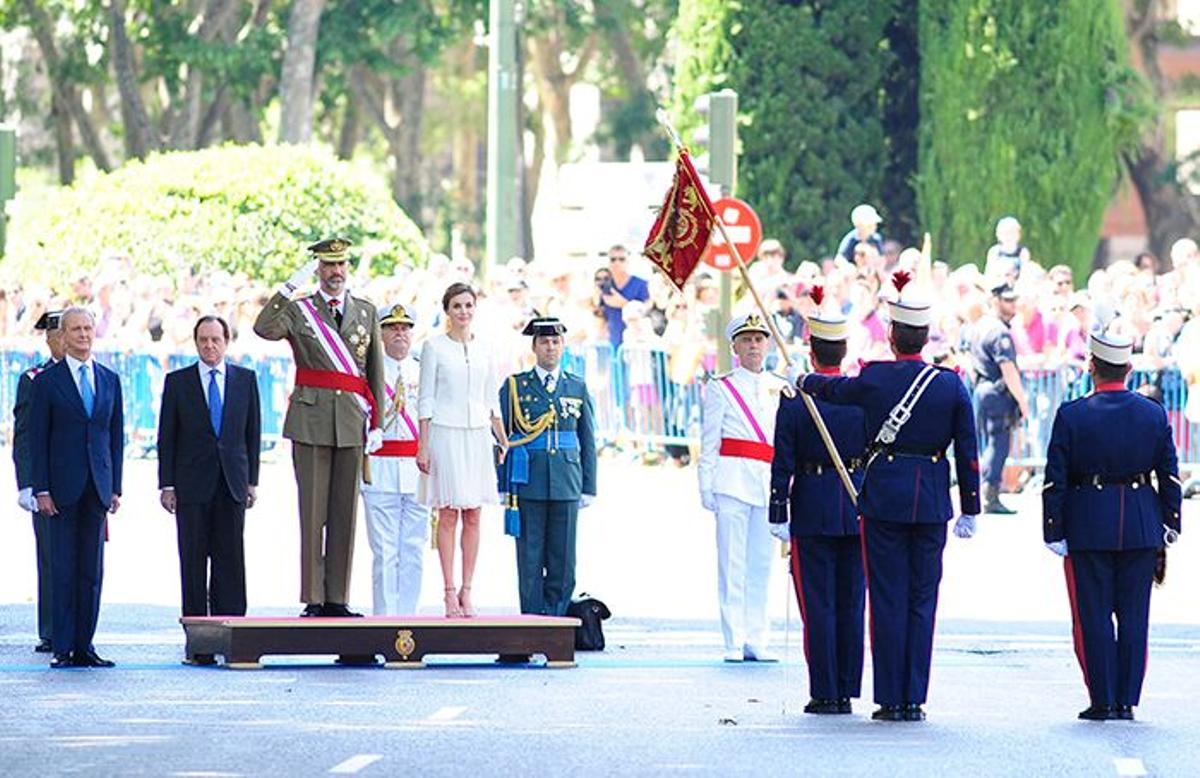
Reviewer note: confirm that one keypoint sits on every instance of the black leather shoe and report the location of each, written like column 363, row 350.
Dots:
column 888, row 713
column 43, row 646
column 335, row 610
column 844, row 705
column 59, row 661
column 513, row 659
column 312, row 610
column 1098, row 713
column 913, row 712
column 822, row 707
column 1123, row 713
column 200, row 660
column 92, row 659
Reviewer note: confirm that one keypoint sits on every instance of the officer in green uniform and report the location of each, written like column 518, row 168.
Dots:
column 550, row 471
column 333, row 413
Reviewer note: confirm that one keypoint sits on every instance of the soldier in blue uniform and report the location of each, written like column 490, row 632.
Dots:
column 23, row 462
column 914, row 411
column 550, row 471
column 826, row 555
column 999, row 397
column 1102, row 512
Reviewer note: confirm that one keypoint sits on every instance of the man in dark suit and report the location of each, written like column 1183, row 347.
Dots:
column 77, row 434
column 209, row 437
column 23, row 462
column 1109, row 504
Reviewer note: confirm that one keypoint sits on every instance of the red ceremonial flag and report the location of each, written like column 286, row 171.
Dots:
column 681, row 231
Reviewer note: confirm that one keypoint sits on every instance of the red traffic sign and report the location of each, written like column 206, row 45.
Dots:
column 744, row 228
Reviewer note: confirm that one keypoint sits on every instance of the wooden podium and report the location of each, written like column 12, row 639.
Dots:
column 402, row 641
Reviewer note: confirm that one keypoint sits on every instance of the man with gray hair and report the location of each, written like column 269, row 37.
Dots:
column 77, row 433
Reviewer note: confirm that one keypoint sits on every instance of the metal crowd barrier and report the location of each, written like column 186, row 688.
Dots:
column 642, row 395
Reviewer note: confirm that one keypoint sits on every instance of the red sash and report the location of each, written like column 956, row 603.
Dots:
column 397, row 448
column 747, row 449
column 332, row 379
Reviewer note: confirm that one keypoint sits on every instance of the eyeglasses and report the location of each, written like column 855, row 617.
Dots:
column 617, row 258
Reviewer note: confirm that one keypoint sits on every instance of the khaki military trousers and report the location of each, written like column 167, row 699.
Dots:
column 327, row 484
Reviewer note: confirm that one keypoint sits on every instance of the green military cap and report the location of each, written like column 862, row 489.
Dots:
column 331, row 250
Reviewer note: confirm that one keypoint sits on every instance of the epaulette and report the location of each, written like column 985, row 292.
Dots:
column 719, row 376
column 32, row 372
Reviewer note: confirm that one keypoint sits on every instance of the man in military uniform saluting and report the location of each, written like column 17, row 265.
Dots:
column 333, row 411
column 1102, row 512
column 999, row 396
column 826, row 555
column 914, row 411
column 23, row 462
column 550, row 471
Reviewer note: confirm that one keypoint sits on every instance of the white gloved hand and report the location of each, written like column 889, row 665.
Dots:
column 964, row 527
column 25, row 500
column 585, row 500
column 299, row 278
column 374, row 440
column 795, row 373
column 708, row 501
column 781, row 532
column 1058, row 547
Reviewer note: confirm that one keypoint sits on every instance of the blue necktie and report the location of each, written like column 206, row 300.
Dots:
column 85, row 390
column 214, row 402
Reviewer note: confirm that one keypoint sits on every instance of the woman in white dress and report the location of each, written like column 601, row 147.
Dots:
column 457, row 402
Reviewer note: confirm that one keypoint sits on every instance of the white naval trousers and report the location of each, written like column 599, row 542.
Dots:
column 743, row 573
column 397, row 531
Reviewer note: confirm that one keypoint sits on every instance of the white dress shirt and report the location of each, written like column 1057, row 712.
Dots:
column 205, row 371
column 459, row 386
column 75, row 364
column 541, row 374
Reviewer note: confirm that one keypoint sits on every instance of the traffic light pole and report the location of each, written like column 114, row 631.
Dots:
column 503, row 203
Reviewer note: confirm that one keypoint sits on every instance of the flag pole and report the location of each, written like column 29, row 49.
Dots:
column 818, row 421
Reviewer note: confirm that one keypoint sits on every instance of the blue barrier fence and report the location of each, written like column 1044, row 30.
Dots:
column 642, row 395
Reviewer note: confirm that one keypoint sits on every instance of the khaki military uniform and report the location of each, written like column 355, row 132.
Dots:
column 326, row 430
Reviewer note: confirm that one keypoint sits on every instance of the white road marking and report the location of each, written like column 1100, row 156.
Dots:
column 205, row 774
column 1129, row 765
column 101, row 741
column 448, row 713
column 356, row 763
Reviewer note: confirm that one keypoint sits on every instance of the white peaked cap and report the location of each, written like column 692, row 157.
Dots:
column 1110, row 347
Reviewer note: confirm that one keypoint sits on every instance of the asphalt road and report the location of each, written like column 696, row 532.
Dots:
column 1004, row 694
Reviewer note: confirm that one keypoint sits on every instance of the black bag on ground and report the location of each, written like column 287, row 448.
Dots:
column 589, row 635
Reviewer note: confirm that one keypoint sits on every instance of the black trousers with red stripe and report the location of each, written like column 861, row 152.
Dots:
column 1102, row 584
column 830, row 587
column 904, row 569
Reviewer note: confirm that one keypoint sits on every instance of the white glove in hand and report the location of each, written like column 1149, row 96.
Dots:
column 374, row 440
column 709, row 501
column 964, row 527
column 794, row 373
column 25, row 500
column 781, row 532
column 1058, row 547
column 299, row 278
column 585, row 500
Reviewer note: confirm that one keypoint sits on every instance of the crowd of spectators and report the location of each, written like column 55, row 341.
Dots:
column 620, row 299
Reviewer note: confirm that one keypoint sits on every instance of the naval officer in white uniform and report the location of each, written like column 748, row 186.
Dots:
column 735, row 483
column 396, row 522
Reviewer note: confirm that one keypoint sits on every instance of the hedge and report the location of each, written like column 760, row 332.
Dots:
column 235, row 208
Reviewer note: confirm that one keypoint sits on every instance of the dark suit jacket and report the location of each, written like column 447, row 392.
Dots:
column 190, row 456
column 22, row 448
column 68, row 447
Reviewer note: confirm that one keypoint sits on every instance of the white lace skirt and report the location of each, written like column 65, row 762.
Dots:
column 461, row 469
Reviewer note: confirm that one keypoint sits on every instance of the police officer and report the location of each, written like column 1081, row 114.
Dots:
column 550, row 471
column 23, row 462
column 396, row 522
column 339, row 378
column 999, row 397
column 1101, row 510
column 736, row 434
column 914, row 411
column 826, row 555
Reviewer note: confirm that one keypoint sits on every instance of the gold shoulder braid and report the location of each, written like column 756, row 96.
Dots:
column 520, row 423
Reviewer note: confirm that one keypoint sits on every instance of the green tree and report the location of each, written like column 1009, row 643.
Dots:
column 809, row 77
column 1025, row 110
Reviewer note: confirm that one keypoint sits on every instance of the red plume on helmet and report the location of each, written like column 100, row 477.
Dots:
column 818, row 295
column 900, row 280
